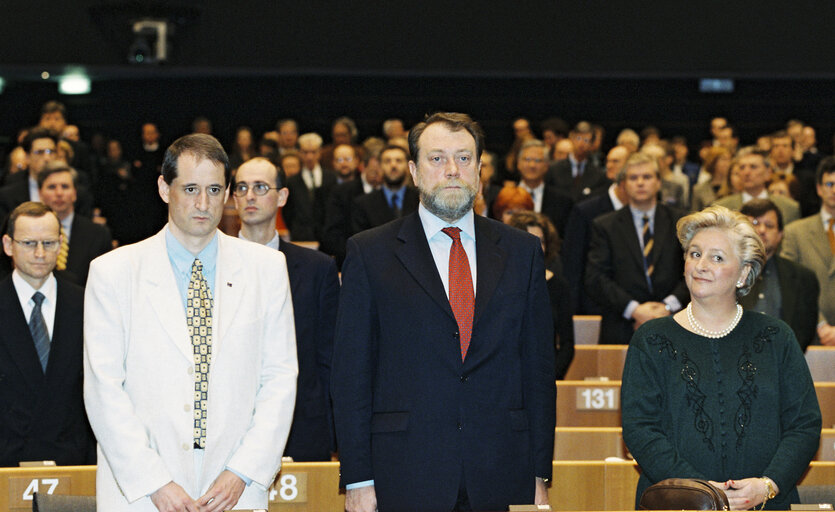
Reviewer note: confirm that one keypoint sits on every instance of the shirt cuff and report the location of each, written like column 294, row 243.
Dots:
column 630, row 308
column 673, row 302
column 246, row 480
column 357, row 485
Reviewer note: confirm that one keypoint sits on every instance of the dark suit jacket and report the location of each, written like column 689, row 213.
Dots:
column 305, row 218
column 593, row 181
column 88, row 241
column 799, row 290
column 409, row 413
column 575, row 249
column 615, row 268
column 314, row 286
column 42, row 414
column 372, row 210
column 556, row 205
column 338, row 218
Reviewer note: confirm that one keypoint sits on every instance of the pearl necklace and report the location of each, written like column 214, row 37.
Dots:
column 713, row 334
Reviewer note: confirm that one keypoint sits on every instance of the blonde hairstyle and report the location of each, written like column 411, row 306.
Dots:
column 747, row 244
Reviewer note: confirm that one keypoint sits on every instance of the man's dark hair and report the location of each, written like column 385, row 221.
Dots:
column 827, row 166
column 782, row 134
column 282, row 122
column 199, row 145
column 454, row 121
column 51, row 107
column 390, row 147
column 55, row 168
column 28, row 209
column 759, row 207
column 35, row 134
column 556, row 125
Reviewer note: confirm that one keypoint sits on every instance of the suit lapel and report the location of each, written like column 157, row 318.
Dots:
column 490, row 261
column 786, row 277
column 16, row 336
column 627, row 231
column 229, row 289
column 660, row 235
column 164, row 294
column 413, row 252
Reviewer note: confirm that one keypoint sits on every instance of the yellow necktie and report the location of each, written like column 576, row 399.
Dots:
column 61, row 263
column 199, row 319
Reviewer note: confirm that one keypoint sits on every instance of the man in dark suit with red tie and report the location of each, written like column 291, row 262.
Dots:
column 443, row 377
column 40, row 349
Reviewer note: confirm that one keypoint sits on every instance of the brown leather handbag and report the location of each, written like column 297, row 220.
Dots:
column 683, row 494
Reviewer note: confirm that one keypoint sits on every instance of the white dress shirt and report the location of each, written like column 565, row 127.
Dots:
column 24, row 295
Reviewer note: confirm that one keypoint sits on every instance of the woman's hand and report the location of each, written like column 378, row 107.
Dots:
column 746, row 493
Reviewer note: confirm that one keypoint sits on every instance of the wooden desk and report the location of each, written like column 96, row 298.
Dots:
column 597, row 361
column 578, row 485
column 588, row 443
column 821, row 362
column 588, row 403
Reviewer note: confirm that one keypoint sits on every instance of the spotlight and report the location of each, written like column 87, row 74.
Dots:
column 150, row 43
column 74, row 84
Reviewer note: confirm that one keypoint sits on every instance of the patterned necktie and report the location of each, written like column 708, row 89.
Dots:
column 831, row 233
column 37, row 327
column 461, row 296
column 63, row 252
column 199, row 319
column 646, row 234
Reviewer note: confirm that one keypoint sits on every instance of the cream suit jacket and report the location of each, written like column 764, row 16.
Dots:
column 806, row 242
column 139, row 376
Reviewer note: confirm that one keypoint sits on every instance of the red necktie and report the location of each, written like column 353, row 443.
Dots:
column 461, row 296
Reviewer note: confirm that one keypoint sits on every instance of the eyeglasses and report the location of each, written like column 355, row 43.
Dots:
column 344, row 160
column 259, row 188
column 32, row 245
column 41, row 152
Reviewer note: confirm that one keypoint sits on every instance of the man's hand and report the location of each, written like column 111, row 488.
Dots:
column 223, row 494
column 541, row 496
column 361, row 499
column 172, row 498
column 649, row 311
column 826, row 333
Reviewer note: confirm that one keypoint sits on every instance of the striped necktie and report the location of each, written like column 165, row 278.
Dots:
column 37, row 327
column 646, row 235
column 199, row 318
column 63, row 252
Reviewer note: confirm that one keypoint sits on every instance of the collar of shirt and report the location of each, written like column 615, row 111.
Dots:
column 34, row 194
column 399, row 193
column 312, row 177
column 24, row 294
column 577, row 167
column 825, row 216
column 614, row 197
column 638, row 220
column 67, row 225
column 273, row 243
column 366, row 187
column 747, row 197
column 440, row 243
column 536, row 194
column 181, row 261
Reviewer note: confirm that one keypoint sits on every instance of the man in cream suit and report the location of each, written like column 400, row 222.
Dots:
column 189, row 358
column 811, row 242
column 755, row 170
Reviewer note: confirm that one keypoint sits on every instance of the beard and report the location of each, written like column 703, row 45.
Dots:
column 394, row 182
column 449, row 204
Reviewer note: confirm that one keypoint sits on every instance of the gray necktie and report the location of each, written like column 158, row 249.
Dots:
column 37, row 326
